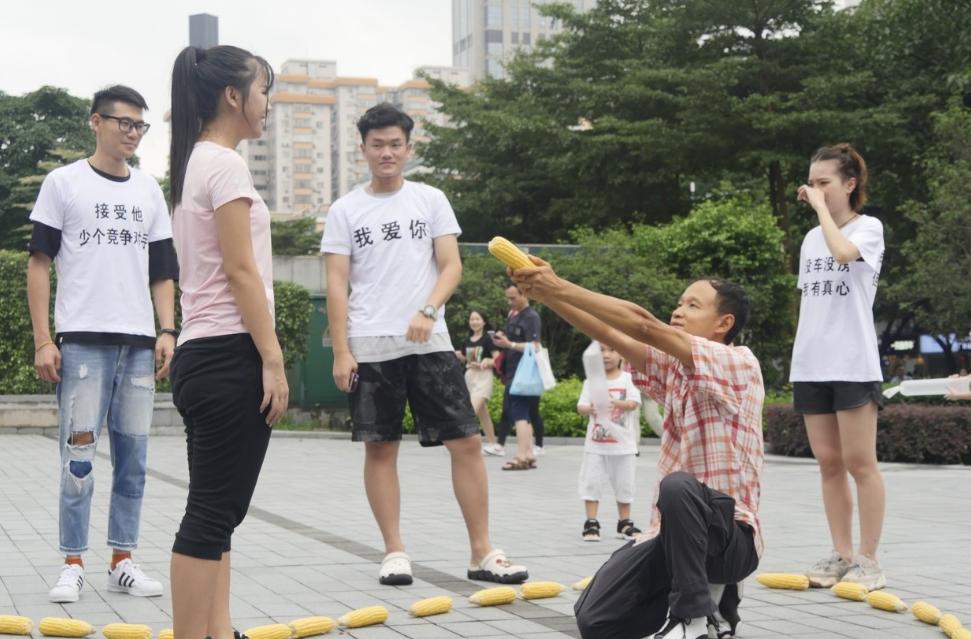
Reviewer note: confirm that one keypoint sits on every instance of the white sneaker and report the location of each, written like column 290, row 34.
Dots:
column 866, row 571
column 677, row 628
column 128, row 577
column 69, row 584
column 538, row 451
column 395, row 570
column 493, row 449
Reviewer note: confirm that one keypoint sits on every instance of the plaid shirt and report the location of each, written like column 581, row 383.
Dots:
column 712, row 423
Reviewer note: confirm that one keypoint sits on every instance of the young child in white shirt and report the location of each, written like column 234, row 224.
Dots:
column 610, row 448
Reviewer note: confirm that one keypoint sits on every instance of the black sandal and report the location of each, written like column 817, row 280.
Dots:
column 591, row 530
column 626, row 529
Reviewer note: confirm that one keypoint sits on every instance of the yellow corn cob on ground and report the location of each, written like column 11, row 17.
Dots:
column 849, row 590
column 310, row 626
column 431, row 606
column 949, row 625
column 363, row 617
column 582, row 584
column 270, row 631
column 61, row 627
column 15, row 625
column 126, row 631
column 885, row 601
column 783, row 580
column 926, row 612
column 508, row 253
column 961, row 633
column 494, row 596
column 541, row 589
column 166, row 633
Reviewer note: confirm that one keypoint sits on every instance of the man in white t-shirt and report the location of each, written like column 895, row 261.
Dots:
column 106, row 227
column 396, row 243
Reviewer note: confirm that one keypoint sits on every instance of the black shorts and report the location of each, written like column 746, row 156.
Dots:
column 521, row 407
column 434, row 387
column 822, row 398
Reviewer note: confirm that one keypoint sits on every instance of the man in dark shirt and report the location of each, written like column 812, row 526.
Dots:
column 523, row 327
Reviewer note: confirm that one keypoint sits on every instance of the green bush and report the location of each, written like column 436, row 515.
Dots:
column 17, row 375
column 905, row 433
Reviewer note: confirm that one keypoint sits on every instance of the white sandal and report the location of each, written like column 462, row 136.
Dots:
column 395, row 570
column 495, row 567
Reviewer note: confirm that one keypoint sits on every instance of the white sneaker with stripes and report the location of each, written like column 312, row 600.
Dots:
column 128, row 577
column 69, row 584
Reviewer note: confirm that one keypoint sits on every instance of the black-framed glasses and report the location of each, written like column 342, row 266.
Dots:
column 125, row 125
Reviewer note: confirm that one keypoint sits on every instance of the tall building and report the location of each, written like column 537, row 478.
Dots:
column 203, row 30
column 486, row 33
column 310, row 153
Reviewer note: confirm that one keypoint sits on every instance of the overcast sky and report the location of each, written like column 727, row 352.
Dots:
column 83, row 46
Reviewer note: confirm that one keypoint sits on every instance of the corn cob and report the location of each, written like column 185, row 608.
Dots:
column 850, row 590
column 60, row 627
column 783, row 580
column 494, row 596
column 961, row 633
column 885, row 601
column 310, row 626
column 431, row 606
column 508, row 253
column 166, row 633
column 270, row 631
column 583, row 583
column 363, row 617
column 949, row 625
column 126, row 631
column 14, row 625
column 926, row 612
column 540, row 589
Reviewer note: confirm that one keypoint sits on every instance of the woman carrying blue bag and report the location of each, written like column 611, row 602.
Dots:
column 521, row 342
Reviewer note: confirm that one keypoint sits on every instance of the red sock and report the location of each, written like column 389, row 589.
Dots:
column 74, row 559
column 119, row 556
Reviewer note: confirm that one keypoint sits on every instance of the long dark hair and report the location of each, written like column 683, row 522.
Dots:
column 198, row 80
column 486, row 326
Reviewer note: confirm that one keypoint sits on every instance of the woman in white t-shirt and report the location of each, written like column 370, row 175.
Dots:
column 836, row 375
column 228, row 378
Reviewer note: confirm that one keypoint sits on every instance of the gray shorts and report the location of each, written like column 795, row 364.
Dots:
column 822, row 398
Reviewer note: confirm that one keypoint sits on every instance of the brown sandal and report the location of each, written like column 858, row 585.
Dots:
column 517, row 464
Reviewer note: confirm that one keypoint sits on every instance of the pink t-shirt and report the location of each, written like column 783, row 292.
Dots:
column 215, row 176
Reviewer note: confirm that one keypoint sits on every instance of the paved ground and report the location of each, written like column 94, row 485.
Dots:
column 309, row 545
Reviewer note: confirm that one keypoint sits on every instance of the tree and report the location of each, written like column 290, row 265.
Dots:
column 295, row 237
column 936, row 289
column 44, row 126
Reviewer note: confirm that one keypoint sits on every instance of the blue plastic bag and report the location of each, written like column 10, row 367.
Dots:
column 527, row 380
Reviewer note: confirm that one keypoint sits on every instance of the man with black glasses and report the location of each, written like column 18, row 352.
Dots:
column 106, row 227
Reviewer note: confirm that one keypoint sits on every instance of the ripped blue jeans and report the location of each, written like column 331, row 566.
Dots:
column 103, row 384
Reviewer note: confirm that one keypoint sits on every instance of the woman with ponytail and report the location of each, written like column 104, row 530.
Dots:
column 227, row 375
column 836, row 374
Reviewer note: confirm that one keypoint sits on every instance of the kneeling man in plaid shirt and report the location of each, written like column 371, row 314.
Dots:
column 705, row 525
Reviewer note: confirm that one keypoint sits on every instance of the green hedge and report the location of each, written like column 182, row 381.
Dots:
column 558, row 408
column 17, row 376
column 926, row 434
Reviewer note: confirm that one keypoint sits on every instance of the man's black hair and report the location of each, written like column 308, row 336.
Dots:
column 118, row 93
column 732, row 300
column 382, row 116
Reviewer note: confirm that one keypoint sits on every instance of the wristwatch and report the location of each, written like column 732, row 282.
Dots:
column 169, row 331
column 429, row 311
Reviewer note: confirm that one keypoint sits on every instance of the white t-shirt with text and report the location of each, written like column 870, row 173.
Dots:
column 614, row 441
column 389, row 238
column 836, row 339
column 102, row 264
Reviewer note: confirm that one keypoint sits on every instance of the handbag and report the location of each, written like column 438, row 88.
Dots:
column 527, row 382
column 545, row 369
